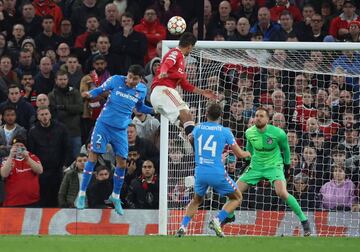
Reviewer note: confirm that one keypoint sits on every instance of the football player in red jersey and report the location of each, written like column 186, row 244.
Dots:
column 171, row 73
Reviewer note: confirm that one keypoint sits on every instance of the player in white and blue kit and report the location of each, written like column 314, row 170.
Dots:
column 209, row 139
column 126, row 93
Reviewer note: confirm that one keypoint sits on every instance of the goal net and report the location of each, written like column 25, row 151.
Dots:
column 312, row 92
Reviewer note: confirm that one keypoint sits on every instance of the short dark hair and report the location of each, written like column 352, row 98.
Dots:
column 8, row 108
column 48, row 17
column 136, row 70
column 187, row 39
column 263, row 109
column 128, row 15
column 81, row 155
column 61, row 73
column 214, row 111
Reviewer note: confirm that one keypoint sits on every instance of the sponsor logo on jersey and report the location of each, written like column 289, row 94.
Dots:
column 127, row 96
column 269, row 140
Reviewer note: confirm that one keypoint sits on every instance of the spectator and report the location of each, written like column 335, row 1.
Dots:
column 339, row 193
column 42, row 100
column 21, row 171
column 265, row 25
column 27, row 84
column 230, row 27
column 93, row 107
column 303, row 192
column 88, row 8
column 47, row 39
column 146, row 149
column 146, row 125
column 235, row 120
column 338, row 156
column 346, row 103
column 62, row 53
column 133, row 7
column 66, row 34
column 26, row 63
column 29, row 44
column 110, row 24
column 242, row 32
column 48, row 140
column 166, row 9
column 69, row 107
column 100, row 190
column 312, row 126
column 351, row 140
column 144, row 190
column 25, row 114
column 339, row 26
column 92, row 27
column 304, row 26
column 154, row 64
column 153, row 30
column 287, row 27
column 70, row 184
column 45, row 79
column 18, row 35
column 294, row 142
column 44, row 8
column 305, row 111
column 282, row 5
column 130, row 44
column 281, row 105
column 74, row 71
column 7, row 76
column 3, row 45
column 278, row 120
column 249, row 10
column 217, row 21
column 31, row 22
column 316, row 33
column 354, row 32
column 9, row 130
column 326, row 124
column 207, row 13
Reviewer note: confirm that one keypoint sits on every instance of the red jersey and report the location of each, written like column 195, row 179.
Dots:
column 301, row 115
column 22, row 184
column 329, row 129
column 173, row 63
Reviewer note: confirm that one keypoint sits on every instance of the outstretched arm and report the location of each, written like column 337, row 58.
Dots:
column 141, row 107
column 239, row 152
column 106, row 86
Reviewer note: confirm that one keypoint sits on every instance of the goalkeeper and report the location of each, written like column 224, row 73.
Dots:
column 266, row 142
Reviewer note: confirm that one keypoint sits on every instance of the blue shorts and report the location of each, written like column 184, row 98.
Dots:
column 104, row 134
column 223, row 185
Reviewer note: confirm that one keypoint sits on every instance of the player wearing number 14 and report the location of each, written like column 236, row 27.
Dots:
column 210, row 139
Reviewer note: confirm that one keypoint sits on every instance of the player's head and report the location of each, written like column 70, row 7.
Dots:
column 134, row 76
column 261, row 117
column 187, row 42
column 213, row 111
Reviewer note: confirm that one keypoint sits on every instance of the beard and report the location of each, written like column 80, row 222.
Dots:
column 99, row 71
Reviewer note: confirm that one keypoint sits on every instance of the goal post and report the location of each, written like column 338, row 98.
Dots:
column 256, row 72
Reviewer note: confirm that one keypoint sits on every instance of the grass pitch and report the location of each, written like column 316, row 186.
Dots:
column 173, row 244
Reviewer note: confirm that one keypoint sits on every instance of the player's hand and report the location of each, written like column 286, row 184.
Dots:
column 163, row 75
column 208, row 93
column 85, row 95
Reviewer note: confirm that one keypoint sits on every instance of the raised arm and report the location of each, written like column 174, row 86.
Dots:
column 106, row 86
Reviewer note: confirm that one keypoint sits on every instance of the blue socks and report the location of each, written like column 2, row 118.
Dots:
column 222, row 215
column 118, row 179
column 185, row 221
column 86, row 177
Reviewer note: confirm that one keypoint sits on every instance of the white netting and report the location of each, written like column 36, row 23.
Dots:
column 314, row 96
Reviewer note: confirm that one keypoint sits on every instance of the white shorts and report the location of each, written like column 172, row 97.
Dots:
column 167, row 102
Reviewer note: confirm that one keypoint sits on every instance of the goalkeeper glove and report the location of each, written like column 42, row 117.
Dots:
column 287, row 170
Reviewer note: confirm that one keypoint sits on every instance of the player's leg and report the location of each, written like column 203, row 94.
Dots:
column 281, row 191
column 119, row 143
column 189, row 213
column 186, row 120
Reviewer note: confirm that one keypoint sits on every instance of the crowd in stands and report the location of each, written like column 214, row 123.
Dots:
column 52, row 51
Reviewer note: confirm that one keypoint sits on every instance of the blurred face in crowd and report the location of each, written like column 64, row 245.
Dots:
column 14, row 94
column 339, row 174
column 92, row 24
column 45, row 65
column 29, row 47
column 348, row 118
column 294, row 159
column 48, row 25
column 281, row 2
column 2, row 41
column 224, row 9
column 100, row 66
column 351, row 136
column 63, row 50
column 207, row 8
column 133, row 155
column 5, row 65
column 278, row 98
column 308, row 12
column 349, row 9
column 278, row 120
column 111, row 12
column 316, row 22
column 42, row 100
column 103, row 44
column 9, row 116
column 300, row 83
column 127, row 21
column 65, row 27
column 271, row 83
column 27, row 80
column 354, row 29
column 25, row 58
column 62, row 81
column 150, row 15
column 345, row 97
column 72, row 64
column 321, row 97
column 286, row 22
column 317, row 57
column 300, row 185
column 323, row 113
column 44, row 117
column 309, row 154
column 280, row 55
column 9, row 4
column 132, row 134
column 148, row 169
column 339, row 158
column 230, row 25
column 159, row 48
column 312, row 125
column 243, row 26
column 264, row 16
column 248, row 4
column 318, row 141
column 237, row 109
column 334, row 90
column 261, row 119
column 175, row 155
column 307, row 99
column 292, row 138
column 80, row 163
column 28, row 11
column 18, row 31
column 102, row 174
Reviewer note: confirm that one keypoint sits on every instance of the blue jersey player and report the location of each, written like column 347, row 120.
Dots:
column 209, row 140
column 126, row 93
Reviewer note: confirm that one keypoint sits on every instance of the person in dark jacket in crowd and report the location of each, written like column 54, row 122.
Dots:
column 99, row 191
column 48, row 140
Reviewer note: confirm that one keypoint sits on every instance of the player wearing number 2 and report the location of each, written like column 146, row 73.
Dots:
column 210, row 139
column 126, row 93
column 171, row 73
